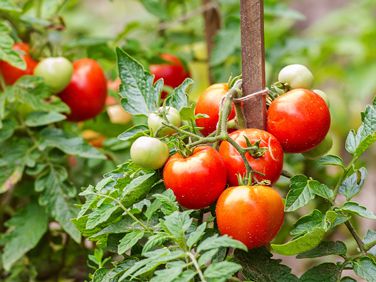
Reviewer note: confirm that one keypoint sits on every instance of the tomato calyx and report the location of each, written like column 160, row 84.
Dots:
column 254, row 149
column 276, row 89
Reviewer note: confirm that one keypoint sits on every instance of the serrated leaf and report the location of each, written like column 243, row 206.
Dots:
column 139, row 95
column 56, row 138
column 179, row 97
column 10, row 177
column 215, row 242
column 223, row 48
column 221, row 270
column 177, row 224
column 155, row 240
column 7, row 129
column 301, row 244
column 129, row 240
column 7, row 54
column 299, row 194
column 196, row 235
column 207, row 257
column 100, row 214
column 353, row 183
column 331, row 160
column 325, row 248
column 166, row 275
column 43, row 118
column 138, row 188
column 365, row 267
column 9, row 6
column 320, row 189
column 133, row 132
column 186, row 276
column 259, row 266
column 167, row 202
column 328, row 272
column 335, row 218
column 26, row 228
column 355, row 208
column 370, row 239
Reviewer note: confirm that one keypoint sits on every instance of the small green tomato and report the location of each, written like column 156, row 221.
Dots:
column 296, row 76
column 321, row 149
column 156, row 120
column 56, row 72
column 149, row 152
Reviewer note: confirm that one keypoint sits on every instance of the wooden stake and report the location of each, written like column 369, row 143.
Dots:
column 253, row 63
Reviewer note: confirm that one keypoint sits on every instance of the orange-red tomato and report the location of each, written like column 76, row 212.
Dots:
column 209, row 103
column 250, row 214
column 268, row 166
column 86, row 93
column 172, row 72
column 198, row 180
column 10, row 73
column 299, row 119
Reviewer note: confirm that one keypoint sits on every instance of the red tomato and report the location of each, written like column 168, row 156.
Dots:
column 198, row 180
column 269, row 165
column 173, row 72
column 10, row 73
column 86, row 93
column 209, row 103
column 250, row 214
column 299, row 119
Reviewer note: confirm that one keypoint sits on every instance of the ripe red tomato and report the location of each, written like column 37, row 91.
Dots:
column 172, row 72
column 11, row 73
column 269, row 165
column 86, row 93
column 198, row 180
column 250, row 214
column 209, row 103
column 299, row 119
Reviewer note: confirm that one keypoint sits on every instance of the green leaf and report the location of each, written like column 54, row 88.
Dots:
column 7, row 129
column 156, row 8
column 206, row 257
column 167, row 201
column 259, row 266
column 355, row 208
column 307, row 223
column 358, row 142
column 335, row 218
column 221, row 270
column 177, row 224
column 370, row 239
column 301, row 244
column 186, row 276
column 178, row 98
column 138, row 188
column 9, row 6
column 129, row 240
column 325, row 248
column 155, row 240
column 25, row 229
column 55, row 138
column 10, row 177
column 353, row 183
column 134, row 132
column 223, row 47
column 43, row 118
column 299, row 194
column 347, row 279
column 167, row 275
column 196, row 235
column 139, row 94
column 331, row 160
column 6, row 42
column 320, row 189
column 100, row 214
column 365, row 267
column 215, row 242
column 328, row 272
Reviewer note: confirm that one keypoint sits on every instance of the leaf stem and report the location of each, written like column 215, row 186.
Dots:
column 359, row 241
column 195, row 263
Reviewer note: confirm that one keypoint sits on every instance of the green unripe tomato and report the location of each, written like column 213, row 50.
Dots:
column 321, row 149
column 156, row 120
column 296, row 76
column 322, row 94
column 56, row 72
column 149, row 152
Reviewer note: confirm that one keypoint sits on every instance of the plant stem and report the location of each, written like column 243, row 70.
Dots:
column 346, row 171
column 353, row 232
column 182, row 131
column 195, row 263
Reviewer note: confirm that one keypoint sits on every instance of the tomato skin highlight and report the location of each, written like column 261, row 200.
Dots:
column 209, row 103
column 10, row 73
column 270, row 164
column 198, row 180
column 250, row 214
column 299, row 119
column 172, row 72
column 87, row 91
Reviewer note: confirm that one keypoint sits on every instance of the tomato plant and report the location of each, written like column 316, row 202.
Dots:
column 208, row 104
column 12, row 73
column 265, row 158
column 149, row 152
column 299, row 119
column 86, row 92
column 197, row 180
column 56, row 72
column 250, row 214
column 164, row 114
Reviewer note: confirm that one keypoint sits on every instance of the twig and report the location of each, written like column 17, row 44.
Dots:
column 359, row 241
column 195, row 263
